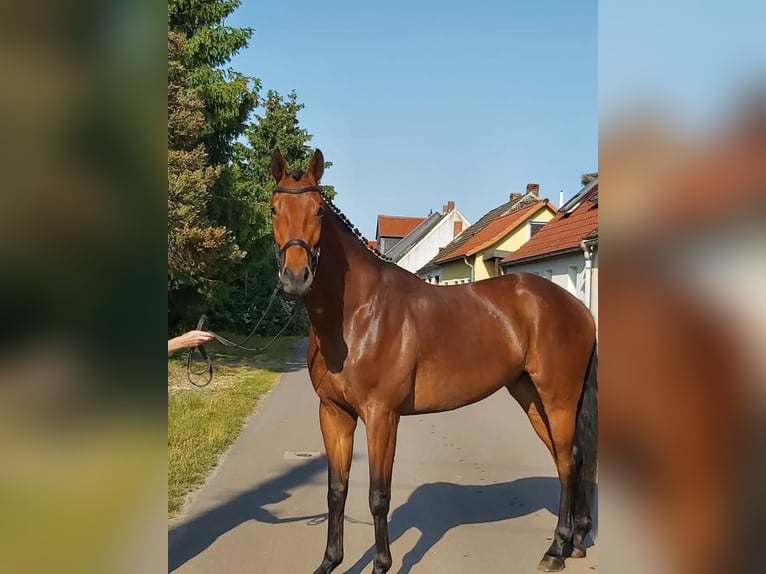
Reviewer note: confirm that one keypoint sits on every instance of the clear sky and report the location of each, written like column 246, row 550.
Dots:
column 418, row 103
column 691, row 58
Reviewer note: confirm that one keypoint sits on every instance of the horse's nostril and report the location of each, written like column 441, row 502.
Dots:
column 305, row 274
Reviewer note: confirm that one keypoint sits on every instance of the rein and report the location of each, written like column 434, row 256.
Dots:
column 232, row 344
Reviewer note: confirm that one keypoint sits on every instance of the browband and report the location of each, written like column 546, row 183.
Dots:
column 297, row 190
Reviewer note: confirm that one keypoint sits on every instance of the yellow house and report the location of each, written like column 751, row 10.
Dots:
column 476, row 253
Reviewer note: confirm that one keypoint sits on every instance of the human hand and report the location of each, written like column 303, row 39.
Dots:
column 189, row 339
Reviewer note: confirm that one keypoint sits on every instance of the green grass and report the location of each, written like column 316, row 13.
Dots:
column 202, row 423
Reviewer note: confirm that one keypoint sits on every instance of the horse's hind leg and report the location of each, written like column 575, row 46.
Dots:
column 562, row 423
column 555, row 427
column 525, row 393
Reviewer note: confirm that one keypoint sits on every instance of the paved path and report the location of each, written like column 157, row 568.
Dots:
column 474, row 492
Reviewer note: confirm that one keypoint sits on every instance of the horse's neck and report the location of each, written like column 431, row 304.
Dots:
column 345, row 275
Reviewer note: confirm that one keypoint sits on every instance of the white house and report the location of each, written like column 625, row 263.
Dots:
column 421, row 244
column 565, row 250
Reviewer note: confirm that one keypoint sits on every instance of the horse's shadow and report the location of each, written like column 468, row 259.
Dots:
column 434, row 509
column 190, row 538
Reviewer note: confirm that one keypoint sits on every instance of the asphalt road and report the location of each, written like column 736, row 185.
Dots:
column 475, row 491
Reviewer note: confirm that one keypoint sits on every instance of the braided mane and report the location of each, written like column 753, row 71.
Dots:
column 358, row 234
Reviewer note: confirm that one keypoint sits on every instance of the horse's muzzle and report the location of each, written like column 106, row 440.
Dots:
column 296, row 283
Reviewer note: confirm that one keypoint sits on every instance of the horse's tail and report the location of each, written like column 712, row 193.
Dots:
column 586, row 438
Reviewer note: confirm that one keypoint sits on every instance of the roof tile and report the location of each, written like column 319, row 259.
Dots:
column 396, row 226
column 490, row 229
column 564, row 231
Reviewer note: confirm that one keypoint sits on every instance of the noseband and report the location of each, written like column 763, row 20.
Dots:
column 312, row 256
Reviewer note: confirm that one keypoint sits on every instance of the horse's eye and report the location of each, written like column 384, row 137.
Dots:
column 320, row 211
column 273, row 211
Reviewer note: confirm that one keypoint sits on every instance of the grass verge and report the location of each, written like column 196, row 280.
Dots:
column 202, row 423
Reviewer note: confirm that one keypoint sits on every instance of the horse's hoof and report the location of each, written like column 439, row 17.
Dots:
column 551, row 564
column 578, row 553
column 326, row 567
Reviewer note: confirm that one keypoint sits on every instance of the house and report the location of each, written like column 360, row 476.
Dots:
column 475, row 254
column 423, row 243
column 391, row 229
column 566, row 249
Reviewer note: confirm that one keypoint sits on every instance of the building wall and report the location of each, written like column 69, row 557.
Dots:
column 455, row 272
column 511, row 242
column 429, row 246
column 567, row 272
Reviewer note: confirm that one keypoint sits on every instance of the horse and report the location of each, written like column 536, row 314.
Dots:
column 384, row 344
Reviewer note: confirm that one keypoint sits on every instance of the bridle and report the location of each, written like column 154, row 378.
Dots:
column 313, row 259
column 312, row 256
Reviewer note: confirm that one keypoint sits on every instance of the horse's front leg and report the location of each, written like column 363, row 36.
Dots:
column 338, row 433
column 381, row 426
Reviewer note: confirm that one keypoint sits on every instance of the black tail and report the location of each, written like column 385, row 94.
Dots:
column 586, row 446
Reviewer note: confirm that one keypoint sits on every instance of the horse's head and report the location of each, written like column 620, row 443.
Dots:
column 296, row 214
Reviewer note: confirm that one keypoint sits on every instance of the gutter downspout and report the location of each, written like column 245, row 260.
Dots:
column 586, row 247
column 465, row 260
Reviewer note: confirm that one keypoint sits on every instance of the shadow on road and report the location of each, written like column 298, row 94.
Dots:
column 192, row 537
column 434, row 509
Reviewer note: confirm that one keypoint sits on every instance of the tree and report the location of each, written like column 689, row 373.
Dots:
column 195, row 243
column 586, row 178
column 276, row 125
column 208, row 109
column 229, row 97
column 220, row 251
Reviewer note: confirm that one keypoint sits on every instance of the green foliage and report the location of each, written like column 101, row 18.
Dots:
column 276, row 125
column 228, row 96
column 195, row 243
column 220, row 249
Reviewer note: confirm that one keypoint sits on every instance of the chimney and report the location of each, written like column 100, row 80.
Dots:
column 561, row 198
column 533, row 188
column 515, row 196
column 450, row 205
column 457, row 227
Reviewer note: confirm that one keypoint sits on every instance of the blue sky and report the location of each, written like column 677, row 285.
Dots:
column 692, row 58
column 418, row 103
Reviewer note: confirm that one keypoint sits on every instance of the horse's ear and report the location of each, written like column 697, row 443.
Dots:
column 316, row 165
column 278, row 166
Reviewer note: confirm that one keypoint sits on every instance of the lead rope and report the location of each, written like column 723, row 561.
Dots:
column 232, row 344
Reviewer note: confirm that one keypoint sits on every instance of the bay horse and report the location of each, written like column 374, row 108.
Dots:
column 384, row 344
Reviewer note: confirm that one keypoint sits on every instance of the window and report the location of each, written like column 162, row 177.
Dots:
column 534, row 227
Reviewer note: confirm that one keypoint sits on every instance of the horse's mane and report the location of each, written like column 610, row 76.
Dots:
column 353, row 230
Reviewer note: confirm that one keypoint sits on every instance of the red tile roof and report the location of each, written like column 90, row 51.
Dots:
column 372, row 244
column 563, row 232
column 492, row 232
column 396, row 226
